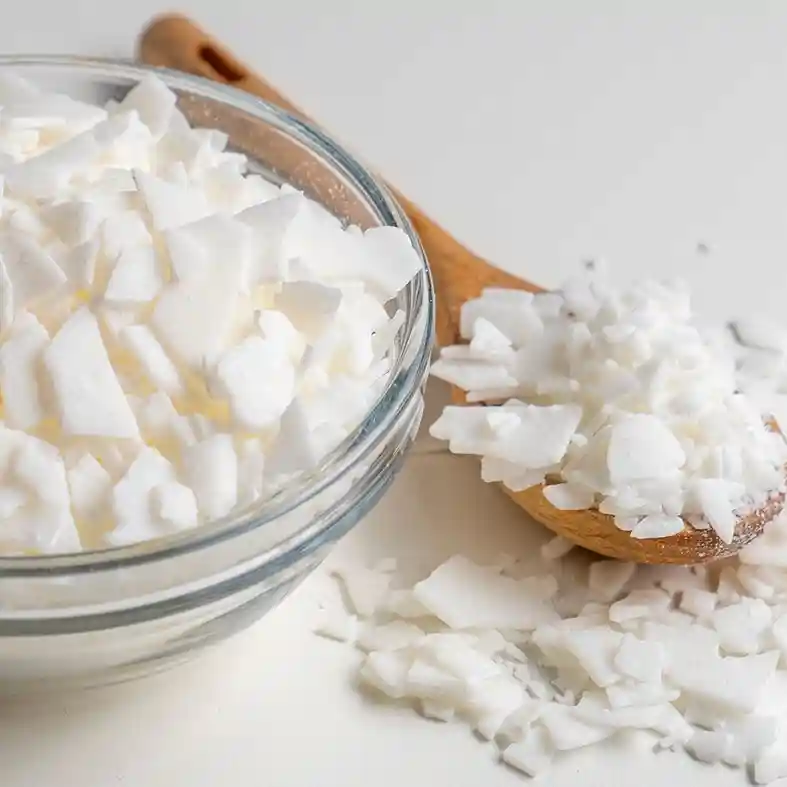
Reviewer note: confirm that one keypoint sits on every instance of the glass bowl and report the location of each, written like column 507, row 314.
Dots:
column 98, row 617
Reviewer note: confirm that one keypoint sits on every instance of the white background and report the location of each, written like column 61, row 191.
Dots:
column 541, row 133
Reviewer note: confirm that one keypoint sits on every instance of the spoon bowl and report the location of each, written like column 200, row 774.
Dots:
column 460, row 275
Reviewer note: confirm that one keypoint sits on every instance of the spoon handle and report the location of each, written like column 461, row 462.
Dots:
column 174, row 41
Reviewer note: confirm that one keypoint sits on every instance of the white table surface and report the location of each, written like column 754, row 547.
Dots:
column 541, row 133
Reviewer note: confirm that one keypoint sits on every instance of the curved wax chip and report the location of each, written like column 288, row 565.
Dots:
column 88, row 394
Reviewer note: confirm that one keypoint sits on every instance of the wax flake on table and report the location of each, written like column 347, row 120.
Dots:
column 459, row 646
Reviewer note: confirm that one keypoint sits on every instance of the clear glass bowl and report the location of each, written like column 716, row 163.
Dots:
column 98, row 617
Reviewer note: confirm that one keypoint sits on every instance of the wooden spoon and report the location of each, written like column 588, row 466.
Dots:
column 173, row 41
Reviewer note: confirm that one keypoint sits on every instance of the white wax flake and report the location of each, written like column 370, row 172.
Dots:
column 50, row 525
column 194, row 319
column 396, row 261
column 531, row 756
column 567, row 732
column 211, row 469
column 715, row 497
column 158, row 366
column 258, row 378
column 536, row 436
column 124, row 230
column 79, row 263
column 339, row 627
column 392, row 636
column 89, row 397
column 771, row 767
column 154, row 102
column 464, row 595
column 19, row 373
column 386, row 671
column 642, row 661
column 596, row 649
column 638, row 604
column 698, row 602
column 136, row 277
column 276, row 327
column 7, row 301
column 11, row 500
column 657, row 526
column 642, row 447
column 131, row 498
column 30, row 271
column 365, row 588
column 556, row 548
column 74, row 222
column 251, row 469
column 175, row 505
column 310, row 306
column 47, row 174
column 89, row 484
column 735, row 684
column 741, row 626
column 607, row 578
column 170, row 204
column 198, row 248
column 708, row 745
column 569, row 497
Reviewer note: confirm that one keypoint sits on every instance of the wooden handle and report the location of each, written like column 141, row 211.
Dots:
column 173, row 41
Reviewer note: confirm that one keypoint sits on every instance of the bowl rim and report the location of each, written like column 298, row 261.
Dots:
column 404, row 381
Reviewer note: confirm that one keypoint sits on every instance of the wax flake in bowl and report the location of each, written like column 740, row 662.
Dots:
column 177, row 338
column 614, row 399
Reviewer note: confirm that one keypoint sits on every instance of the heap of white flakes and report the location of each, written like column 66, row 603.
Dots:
column 617, row 400
column 558, row 654
column 178, row 338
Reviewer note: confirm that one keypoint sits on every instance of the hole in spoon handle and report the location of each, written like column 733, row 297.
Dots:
column 223, row 69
